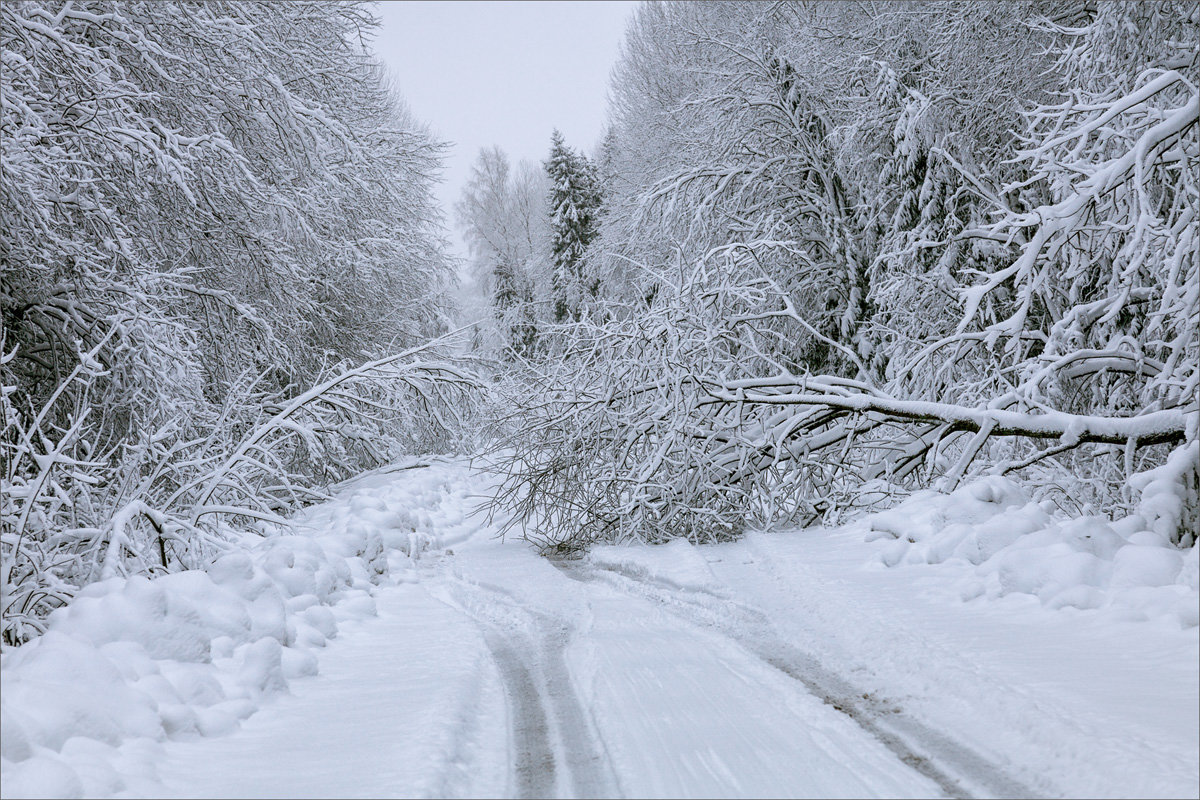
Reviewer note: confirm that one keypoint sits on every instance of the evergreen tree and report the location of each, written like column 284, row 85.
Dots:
column 512, row 301
column 574, row 214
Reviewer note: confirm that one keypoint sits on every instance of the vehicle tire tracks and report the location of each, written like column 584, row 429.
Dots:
column 555, row 751
column 533, row 763
column 956, row 769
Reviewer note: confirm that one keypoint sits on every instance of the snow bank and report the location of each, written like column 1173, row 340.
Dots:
column 193, row 653
column 1009, row 544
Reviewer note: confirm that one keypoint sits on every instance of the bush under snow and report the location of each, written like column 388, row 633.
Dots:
column 193, row 653
column 1133, row 565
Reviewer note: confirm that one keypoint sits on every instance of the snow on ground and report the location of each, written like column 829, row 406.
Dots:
column 1002, row 543
column 132, row 662
column 395, row 711
column 396, row 648
column 964, row 626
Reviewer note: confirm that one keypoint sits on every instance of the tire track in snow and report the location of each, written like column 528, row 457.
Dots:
column 957, row 770
column 586, row 760
column 554, row 748
column 534, row 765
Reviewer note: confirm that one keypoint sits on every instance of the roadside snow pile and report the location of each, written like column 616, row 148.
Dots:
column 192, row 653
column 1128, row 567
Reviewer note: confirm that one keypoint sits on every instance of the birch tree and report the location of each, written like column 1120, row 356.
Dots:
column 505, row 218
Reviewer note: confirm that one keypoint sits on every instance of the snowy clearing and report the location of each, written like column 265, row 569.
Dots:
column 396, row 648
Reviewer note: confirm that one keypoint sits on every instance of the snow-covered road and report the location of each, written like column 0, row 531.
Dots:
column 642, row 702
column 495, row 674
column 956, row 770
column 783, row 665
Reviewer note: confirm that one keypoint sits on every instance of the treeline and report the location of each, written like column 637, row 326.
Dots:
column 529, row 230
column 845, row 250
column 207, row 209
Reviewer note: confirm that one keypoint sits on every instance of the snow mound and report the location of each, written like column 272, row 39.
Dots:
column 676, row 564
column 194, row 653
column 1005, row 544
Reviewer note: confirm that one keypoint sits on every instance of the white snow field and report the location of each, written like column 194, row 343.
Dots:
column 396, row 648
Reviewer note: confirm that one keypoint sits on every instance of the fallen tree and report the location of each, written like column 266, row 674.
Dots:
column 1036, row 313
column 684, row 420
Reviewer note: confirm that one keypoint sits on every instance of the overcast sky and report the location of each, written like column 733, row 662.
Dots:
column 503, row 73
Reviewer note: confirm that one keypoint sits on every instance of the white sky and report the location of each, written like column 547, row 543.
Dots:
column 503, row 73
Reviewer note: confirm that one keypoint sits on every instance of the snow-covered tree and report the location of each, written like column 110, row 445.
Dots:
column 574, row 210
column 893, row 244
column 205, row 208
column 505, row 220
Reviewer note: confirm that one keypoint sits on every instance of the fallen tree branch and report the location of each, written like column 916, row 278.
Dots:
column 1156, row 427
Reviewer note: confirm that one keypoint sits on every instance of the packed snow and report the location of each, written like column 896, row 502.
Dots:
column 965, row 644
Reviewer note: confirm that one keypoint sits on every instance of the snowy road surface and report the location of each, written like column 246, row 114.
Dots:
column 783, row 665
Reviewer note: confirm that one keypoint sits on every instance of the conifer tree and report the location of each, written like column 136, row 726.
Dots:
column 574, row 213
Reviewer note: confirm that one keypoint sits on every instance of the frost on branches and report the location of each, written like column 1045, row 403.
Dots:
column 842, row 278
column 205, row 208
column 504, row 218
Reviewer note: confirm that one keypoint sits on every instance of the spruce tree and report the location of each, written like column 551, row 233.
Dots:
column 574, row 212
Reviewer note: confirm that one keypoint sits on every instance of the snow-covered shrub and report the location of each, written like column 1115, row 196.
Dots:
column 1012, row 544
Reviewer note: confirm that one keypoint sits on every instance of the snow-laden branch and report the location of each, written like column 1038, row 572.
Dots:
column 1156, row 427
column 399, row 369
